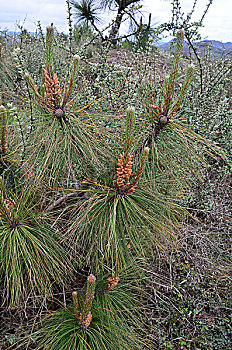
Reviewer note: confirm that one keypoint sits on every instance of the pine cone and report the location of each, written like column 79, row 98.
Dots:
column 113, row 281
column 85, row 323
column 163, row 120
column 59, row 113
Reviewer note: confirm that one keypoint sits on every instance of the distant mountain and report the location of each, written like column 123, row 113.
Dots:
column 217, row 47
column 219, row 44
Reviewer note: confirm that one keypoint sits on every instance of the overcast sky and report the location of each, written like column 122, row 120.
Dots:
column 218, row 21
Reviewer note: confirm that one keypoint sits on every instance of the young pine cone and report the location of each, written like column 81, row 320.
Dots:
column 128, row 168
column 85, row 323
column 112, row 282
column 120, row 172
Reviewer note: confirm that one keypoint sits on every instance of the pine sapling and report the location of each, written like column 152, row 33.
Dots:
column 169, row 102
column 83, row 313
column 49, row 49
column 66, row 94
column 169, row 87
column 51, row 98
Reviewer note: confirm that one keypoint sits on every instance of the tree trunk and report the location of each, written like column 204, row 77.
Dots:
column 116, row 26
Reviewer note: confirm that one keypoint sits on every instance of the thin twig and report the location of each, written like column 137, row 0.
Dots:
column 60, row 201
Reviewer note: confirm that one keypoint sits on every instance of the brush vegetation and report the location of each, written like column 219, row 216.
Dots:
column 114, row 194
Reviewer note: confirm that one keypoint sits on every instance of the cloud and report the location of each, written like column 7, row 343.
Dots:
column 218, row 21
column 31, row 11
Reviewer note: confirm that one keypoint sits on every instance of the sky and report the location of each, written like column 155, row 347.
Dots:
column 218, row 21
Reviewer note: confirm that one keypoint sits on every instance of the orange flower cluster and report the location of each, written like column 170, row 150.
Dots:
column 124, row 171
column 113, row 281
column 128, row 169
column 52, row 89
column 131, row 188
column 86, row 321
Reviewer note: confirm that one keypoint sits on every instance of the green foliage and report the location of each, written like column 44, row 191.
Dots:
column 113, row 312
column 91, row 186
column 107, row 223
column 82, row 31
column 30, row 256
column 85, row 11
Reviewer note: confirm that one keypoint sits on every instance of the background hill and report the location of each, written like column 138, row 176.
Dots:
column 218, row 48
